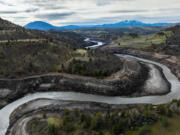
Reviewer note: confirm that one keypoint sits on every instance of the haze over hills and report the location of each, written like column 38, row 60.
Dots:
column 40, row 25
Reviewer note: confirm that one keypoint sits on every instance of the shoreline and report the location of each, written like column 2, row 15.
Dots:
column 170, row 61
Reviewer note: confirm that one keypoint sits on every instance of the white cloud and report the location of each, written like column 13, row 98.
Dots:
column 62, row 12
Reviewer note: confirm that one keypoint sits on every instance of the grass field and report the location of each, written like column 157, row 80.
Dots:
column 142, row 41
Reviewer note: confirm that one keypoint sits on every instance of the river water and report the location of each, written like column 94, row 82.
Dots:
column 174, row 94
column 96, row 43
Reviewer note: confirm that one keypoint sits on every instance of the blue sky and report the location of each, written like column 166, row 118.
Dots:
column 84, row 12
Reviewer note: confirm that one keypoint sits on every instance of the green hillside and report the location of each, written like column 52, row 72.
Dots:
column 165, row 42
column 27, row 52
column 143, row 41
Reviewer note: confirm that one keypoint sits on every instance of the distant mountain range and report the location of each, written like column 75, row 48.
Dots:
column 40, row 25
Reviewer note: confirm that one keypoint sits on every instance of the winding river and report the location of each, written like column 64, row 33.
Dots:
column 96, row 43
column 174, row 94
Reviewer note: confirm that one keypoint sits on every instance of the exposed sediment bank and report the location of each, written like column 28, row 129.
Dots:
column 172, row 62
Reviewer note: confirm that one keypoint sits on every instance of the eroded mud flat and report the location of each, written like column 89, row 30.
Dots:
column 157, row 83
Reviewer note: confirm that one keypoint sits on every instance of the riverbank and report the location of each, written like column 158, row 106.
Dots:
column 35, row 109
column 43, row 112
column 172, row 62
column 30, row 118
column 93, row 43
column 75, row 96
column 86, row 97
column 129, row 81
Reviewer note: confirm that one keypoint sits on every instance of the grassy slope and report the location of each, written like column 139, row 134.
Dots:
column 158, row 129
column 32, row 58
column 165, row 42
column 154, row 120
column 26, row 52
column 92, row 63
column 22, row 59
column 10, row 32
column 142, row 41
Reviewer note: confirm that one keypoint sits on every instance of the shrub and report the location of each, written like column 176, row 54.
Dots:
column 114, row 117
column 44, row 116
column 164, row 122
column 66, row 112
column 133, row 35
column 97, row 121
column 116, row 129
column 52, row 130
column 68, row 125
column 174, row 101
column 76, row 112
column 85, row 121
column 97, row 133
column 161, row 33
column 144, row 130
column 123, row 114
column 107, row 133
column 119, row 127
column 161, row 110
column 169, row 113
column 178, row 103
column 84, row 117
